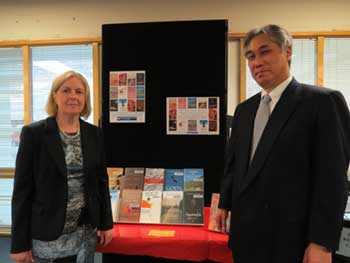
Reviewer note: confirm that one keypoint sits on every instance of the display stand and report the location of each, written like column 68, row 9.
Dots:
column 182, row 59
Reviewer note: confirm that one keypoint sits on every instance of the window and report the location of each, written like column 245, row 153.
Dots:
column 303, row 66
column 11, row 104
column 304, row 61
column 48, row 62
column 6, row 188
column 337, row 65
column 43, row 62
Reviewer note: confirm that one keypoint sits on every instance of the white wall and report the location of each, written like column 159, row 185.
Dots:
column 44, row 19
column 47, row 19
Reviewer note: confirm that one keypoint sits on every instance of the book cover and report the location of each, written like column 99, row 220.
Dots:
column 114, row 193
column 154, row 179
column 193, row 207
column 130, row 205
column 133, row 178
column 114, row 177
column 213, row 209
column 194, row 179
column 151, row 205
column 174, row 180
column 172, row 207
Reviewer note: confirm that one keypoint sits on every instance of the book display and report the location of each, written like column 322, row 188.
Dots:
column 159, row 112
column 158, row 195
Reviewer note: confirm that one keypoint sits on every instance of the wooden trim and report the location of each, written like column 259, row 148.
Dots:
column 7, row 173
column 231, row 36
column 5, row 231
column 242, row 69
column 27, row 84
column 96, row 84
column 236, row 36
column 50, row 42
column 322, row 33
column 311, row 34
column 320, row 61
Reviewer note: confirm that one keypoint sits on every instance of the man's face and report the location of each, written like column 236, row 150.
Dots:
column 268, row 63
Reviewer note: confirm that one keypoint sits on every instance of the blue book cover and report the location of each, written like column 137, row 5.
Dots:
column 194, row 179
column 174, row 180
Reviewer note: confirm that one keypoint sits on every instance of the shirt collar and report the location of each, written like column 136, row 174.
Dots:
column 276, row 93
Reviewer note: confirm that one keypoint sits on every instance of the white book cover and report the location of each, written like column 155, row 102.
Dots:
column 151, row 205
column 115, row 203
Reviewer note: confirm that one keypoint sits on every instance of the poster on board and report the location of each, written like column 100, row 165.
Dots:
column 192, row 115
column 127, row 96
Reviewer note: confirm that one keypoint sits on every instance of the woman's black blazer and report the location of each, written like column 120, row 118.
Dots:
column 40, row 187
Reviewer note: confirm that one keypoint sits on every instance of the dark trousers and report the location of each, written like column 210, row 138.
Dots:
column 69, row 259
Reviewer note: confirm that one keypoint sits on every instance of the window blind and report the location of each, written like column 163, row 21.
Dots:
column 6, row 188
column 11, row 104
column 337, row 65
column 48, row 62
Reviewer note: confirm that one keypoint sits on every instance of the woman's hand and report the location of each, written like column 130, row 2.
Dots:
column 105, row 236
column 23, row 257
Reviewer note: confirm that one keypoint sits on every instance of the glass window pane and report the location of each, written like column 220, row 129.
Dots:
column 304, row 61
column 11, row 104
column 48, row 62
column 252, row 86
column 337, row 65
column 303, row 67
column 6, row 188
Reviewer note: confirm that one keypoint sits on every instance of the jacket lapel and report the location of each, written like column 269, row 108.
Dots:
column 53, row 142
column 246, row 128
column 86, row 147
column 281, row 113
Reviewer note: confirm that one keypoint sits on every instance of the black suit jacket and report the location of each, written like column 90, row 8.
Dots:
column 40, row 186
column 294, row 190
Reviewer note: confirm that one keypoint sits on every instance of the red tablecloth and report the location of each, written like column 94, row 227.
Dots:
column 194, row 243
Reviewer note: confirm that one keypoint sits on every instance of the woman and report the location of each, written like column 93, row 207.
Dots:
column 61, row 200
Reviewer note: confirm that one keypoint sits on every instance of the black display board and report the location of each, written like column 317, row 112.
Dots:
column 181, row 59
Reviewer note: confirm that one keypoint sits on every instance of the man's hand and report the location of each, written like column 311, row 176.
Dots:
column 23, row 257
column 220, row 218
column 317, row 254
column 105, row 236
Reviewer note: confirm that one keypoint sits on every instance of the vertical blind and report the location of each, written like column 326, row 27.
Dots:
column 337, row 65
column 6, row 187
column 48, row 62
column 304, row 61
column 11, row 104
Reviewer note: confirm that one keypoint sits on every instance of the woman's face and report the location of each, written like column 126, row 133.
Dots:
column 70, row 97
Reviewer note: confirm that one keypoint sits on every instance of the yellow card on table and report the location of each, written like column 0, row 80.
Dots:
column 161, row 233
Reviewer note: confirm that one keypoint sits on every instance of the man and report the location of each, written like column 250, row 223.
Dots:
column 287, row 189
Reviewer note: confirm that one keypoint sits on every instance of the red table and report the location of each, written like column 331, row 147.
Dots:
column 194, row 243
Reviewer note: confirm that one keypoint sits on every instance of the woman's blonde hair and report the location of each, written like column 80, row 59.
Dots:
column 51, row 106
